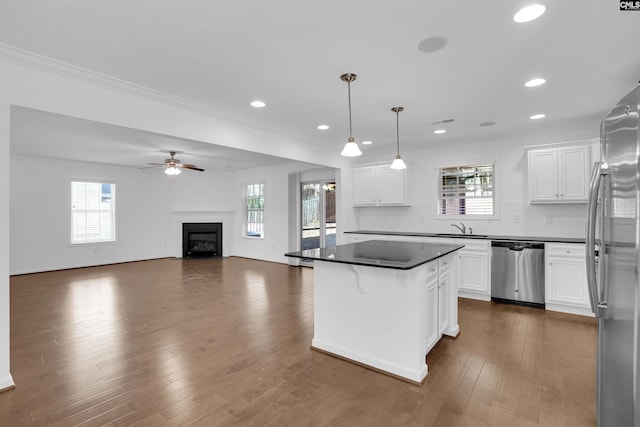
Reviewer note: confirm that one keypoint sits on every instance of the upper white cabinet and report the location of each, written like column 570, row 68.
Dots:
column 379, row 185
column 559, row 174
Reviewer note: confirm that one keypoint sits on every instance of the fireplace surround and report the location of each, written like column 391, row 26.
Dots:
column 201, row 239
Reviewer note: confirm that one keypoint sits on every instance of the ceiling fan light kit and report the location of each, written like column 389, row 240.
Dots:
column 173, row 166
column 172, row 170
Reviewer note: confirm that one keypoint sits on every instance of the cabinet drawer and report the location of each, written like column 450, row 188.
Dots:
column 432, row 270
column 565, row 250
column 444, row 263
column 474, row 244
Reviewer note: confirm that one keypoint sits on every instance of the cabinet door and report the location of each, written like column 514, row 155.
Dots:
column 364, row 186
column 574, row 168
column 567, row 282
column 390, row 186
column 543, row 176
column 443, row 302
column 474, row 271
column 432, row 325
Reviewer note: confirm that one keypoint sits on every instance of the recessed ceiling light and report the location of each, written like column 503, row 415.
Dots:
column 537, row 116
column 257, row 103
column 535, row 82
column 529, row 13
column 367, row 142
column 432, row 44
column 439, row 131
column 323, row 127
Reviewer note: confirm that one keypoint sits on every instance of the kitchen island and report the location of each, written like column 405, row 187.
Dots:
column 384, row 304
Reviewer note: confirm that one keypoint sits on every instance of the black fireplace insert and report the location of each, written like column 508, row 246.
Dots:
column 201, row 239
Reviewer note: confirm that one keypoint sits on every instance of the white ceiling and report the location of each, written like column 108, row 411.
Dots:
column 44, row 134
column 290, row 54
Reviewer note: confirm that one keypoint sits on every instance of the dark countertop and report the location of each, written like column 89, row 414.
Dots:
column 380, row 253
column 473, row 236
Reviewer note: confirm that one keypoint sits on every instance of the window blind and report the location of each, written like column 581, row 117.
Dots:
column 92, row 212
column 466, row 190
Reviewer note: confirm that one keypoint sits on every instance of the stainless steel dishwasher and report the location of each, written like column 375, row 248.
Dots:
column 517, row 272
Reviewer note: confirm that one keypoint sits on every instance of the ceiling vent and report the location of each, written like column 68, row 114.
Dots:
column 441, row 122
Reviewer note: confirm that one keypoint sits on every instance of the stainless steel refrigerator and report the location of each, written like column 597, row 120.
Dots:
column 613, row 243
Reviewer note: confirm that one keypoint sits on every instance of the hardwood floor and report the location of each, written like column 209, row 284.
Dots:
column 226, row 342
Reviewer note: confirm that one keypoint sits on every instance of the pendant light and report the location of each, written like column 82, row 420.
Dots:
column 351, row 149
column 398, row 163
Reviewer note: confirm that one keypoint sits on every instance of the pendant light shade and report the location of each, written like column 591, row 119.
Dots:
column 350, row 149
column 398, row 163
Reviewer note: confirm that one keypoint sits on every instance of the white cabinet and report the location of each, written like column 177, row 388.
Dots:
column 431, row 302
column 566, row 279
column 474, row 265
column 444, row 300
column 379, row 185
column 441, row 300
column 559, row 174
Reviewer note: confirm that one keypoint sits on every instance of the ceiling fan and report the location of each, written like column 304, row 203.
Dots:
column 172, row 165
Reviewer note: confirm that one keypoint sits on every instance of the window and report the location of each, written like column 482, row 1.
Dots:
column 467, row 190
column 254, row 210
column 93, row 216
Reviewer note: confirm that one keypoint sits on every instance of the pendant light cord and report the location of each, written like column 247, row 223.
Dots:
column 349, row 91
column 397, row 111
column 398, row 130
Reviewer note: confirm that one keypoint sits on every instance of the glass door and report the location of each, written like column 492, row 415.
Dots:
column 318, row 211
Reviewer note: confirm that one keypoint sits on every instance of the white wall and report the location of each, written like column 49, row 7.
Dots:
column 6, row 379
column 40, row 215
column 277, row 222
column 515, row 215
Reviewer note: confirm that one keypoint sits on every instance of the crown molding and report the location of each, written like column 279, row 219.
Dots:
column 74, row 72
column 63, row 69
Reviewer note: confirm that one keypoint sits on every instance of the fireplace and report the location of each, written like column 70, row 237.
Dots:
column 201, row 239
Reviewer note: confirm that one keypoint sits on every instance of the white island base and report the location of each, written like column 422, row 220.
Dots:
column 385, row 319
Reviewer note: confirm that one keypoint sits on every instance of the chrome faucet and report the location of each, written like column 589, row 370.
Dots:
column 462, row 229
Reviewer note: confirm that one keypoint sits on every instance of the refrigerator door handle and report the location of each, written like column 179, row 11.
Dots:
column 598, row 305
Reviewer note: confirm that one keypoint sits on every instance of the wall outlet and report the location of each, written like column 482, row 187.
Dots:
column 516, row 219
column 548, row 218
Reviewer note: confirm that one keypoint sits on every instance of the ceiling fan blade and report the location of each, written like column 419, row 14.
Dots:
column 192, row 167
column 156, row 164
column 152, row 166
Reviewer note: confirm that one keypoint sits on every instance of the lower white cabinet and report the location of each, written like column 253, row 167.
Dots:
column 474, row 264
column 433, row 331
column 439, row 297
column 566, row 279
column 444, row 298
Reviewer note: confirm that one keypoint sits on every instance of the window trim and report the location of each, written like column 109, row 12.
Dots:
column 245, row 210
column 114, row 212
column 496, row 204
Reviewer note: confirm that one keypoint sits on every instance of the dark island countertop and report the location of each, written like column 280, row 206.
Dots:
column 473, row 236
column 380, row 253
